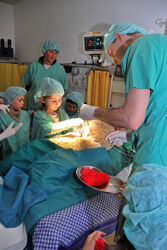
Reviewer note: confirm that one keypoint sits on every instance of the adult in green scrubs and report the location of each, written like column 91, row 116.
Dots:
column 149, row 74
column 46, row 66
column 144, row 65
column 16, row 117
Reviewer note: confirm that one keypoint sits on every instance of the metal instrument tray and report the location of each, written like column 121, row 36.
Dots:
column 113, row 186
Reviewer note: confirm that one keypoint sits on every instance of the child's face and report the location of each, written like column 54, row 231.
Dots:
column 52, row 103
column 71, row 107
column 18, row 103
column 2, row 100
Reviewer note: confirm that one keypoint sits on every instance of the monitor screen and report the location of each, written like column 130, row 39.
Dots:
column 94, row 43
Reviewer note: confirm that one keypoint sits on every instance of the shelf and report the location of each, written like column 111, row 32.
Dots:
column 115, row 78
column 90, row 66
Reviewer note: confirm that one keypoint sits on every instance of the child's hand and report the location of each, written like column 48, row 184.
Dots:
column 4, row 108
column 71, row 123
column 10, row 131
column 91, row 240
column 84, row 131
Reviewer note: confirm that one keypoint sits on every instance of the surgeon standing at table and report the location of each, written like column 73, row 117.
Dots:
column 144, row 65
column 144, row 59
column 46, row 66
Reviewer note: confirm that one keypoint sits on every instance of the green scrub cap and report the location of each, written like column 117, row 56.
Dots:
column 12, row 93
column 76, row 97
column 122, row 27
column 48, row 86
column 51, row 45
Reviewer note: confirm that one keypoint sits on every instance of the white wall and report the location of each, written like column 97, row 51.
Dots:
column 65, row 20
column 6, row 23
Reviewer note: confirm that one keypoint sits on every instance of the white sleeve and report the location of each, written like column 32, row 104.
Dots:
column 71, row 123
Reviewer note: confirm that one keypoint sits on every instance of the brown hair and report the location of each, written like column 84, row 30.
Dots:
column 43, row 105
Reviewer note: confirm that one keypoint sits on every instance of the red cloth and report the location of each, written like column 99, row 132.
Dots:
column 94, row 178
column 100, row 245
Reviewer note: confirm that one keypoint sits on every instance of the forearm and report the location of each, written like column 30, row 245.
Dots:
column 4, row 135
column 1, row 137
column 131, row 115
column 117, row 117
column 70, row 123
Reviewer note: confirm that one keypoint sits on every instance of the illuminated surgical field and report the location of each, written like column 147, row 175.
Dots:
column 96, row 137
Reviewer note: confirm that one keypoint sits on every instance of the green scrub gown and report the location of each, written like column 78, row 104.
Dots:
column 145, row 67
column 35, row 72
column 75, row 115
column 16, row 141
column 72, row 115
column 43, row 123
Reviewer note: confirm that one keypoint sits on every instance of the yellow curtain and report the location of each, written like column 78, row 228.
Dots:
column 90, row 87
column 11, row 74
column 22, row 69
column 98, row 88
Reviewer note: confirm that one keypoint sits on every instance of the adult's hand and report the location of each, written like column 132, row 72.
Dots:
column 117, row 137
column 87, row 112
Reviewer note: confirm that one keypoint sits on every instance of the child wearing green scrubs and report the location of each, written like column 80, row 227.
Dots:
column 50, row 95
column 14, row 97
column 2, row 101
column 72, row 104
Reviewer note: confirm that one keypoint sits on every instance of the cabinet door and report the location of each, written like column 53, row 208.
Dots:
column 117, row 92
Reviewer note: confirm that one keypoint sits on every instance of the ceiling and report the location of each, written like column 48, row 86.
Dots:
column 12, row 2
